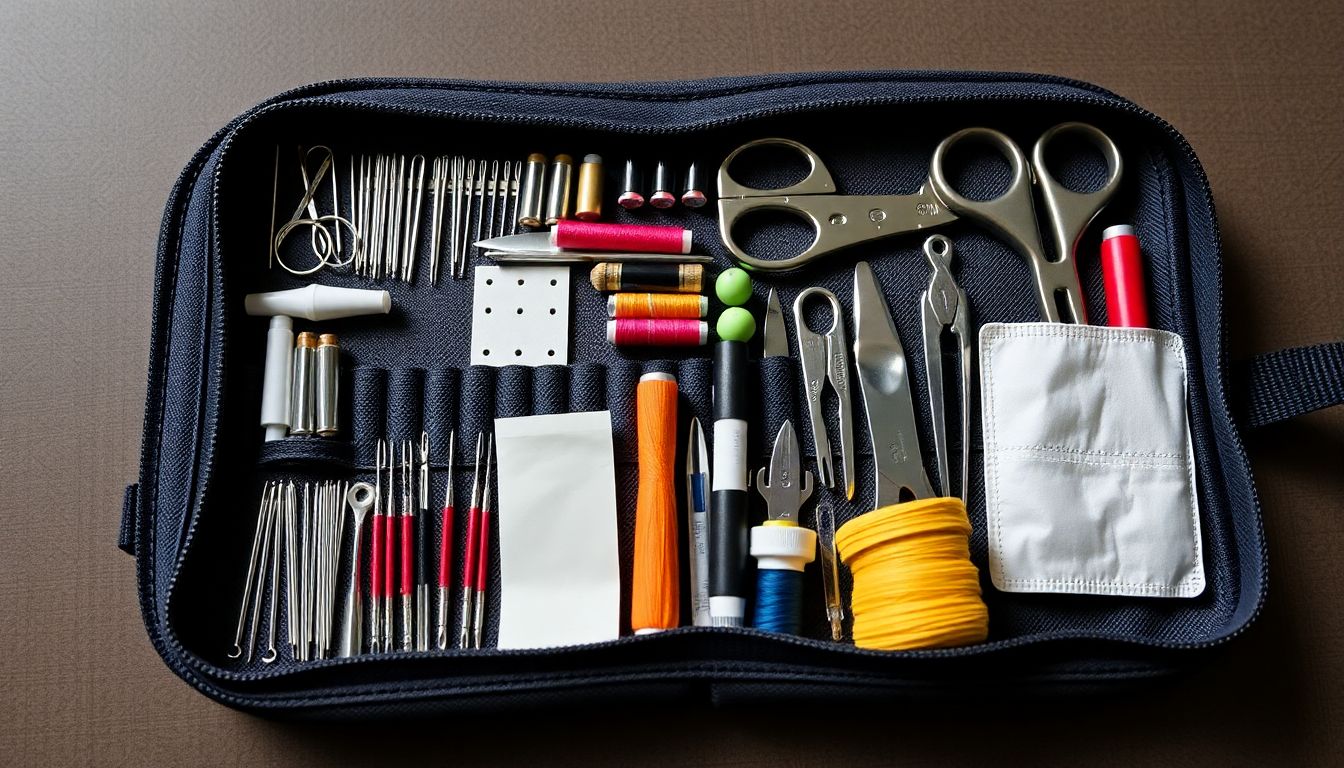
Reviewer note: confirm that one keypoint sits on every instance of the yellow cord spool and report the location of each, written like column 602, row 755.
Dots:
column 914, row 583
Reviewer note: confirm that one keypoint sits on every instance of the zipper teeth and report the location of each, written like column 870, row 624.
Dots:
column 304, row 96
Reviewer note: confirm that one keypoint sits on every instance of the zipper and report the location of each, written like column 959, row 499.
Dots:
column 325, row 94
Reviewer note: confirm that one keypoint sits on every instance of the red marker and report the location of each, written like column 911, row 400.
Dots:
column 1122, row 272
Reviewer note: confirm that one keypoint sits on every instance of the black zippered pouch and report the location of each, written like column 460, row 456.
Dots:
column 189, row 518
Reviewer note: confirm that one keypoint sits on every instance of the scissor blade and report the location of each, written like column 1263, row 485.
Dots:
column 774, row 339
column 531, row 242
column 884, row 381
column 786, row 486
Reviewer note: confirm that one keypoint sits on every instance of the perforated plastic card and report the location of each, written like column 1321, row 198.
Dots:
column 520, row 316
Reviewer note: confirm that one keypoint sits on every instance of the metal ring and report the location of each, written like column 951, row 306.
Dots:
column 323, row 261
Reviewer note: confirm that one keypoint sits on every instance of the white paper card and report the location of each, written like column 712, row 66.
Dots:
column 1089, row 467
column 558, row 552
column 520, row 316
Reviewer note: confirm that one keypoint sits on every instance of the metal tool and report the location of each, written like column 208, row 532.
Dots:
column 781, row 546
column 237, row 650
column 844, row 220
column 824, row 357
column 1013, row 217
column 446, row 549
column 697, row 529
column 415, row 198
column 360, row 498
column 472, row 547
column 830, row 571
column 483, row 556
column 408, row 546
column 273, row 592
column 943, row 306
column 884, row 381
column 839, row 220
column 376, row 551
column 261, row 575
column 422, row 543
column 390, row 554
column 291, row 566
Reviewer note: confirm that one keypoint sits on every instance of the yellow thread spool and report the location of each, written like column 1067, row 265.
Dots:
column 914, row 583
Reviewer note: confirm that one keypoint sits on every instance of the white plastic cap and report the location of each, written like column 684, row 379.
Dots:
column 319, row 302
column 783, row 547
column 1117, row 231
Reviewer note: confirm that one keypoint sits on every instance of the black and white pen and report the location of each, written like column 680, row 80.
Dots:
column 728, row 497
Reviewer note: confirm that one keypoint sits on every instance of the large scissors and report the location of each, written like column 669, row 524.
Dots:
column 840, row 221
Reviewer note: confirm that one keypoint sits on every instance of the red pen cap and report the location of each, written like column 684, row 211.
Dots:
column 1122, row 272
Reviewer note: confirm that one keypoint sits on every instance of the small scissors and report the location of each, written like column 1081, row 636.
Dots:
column 844, row 220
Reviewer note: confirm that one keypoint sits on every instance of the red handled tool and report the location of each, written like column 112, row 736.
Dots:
column 446, row 549
column 483, row 555
column 469, row 566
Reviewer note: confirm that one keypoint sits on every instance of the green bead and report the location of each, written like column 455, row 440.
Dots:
column 736, row 324
column 733, row 287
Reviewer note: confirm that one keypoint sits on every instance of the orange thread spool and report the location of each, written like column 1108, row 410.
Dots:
column 657, row 305
column 655, row 599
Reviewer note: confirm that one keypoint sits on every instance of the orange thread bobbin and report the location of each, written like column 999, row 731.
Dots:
column 657, row 305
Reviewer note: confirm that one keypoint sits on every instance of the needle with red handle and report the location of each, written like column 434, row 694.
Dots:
column 407, row 548
column 469, row 566
column 483, row 555
column 376, row 553
column 389, row 556
column 446, row 549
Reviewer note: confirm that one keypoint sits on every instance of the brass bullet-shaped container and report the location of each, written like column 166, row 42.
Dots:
column 557, row 197
column 328, row 385
column 531, row 195
column 589, row 204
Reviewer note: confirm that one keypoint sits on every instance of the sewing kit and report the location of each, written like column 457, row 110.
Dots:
column 484, row 394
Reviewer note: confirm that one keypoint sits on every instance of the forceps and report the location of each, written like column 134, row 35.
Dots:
column 839, row 221
column 943, row 306
column 824, row 357
column 1012, row 215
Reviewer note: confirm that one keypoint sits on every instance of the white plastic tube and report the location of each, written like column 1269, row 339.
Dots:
column 275, row 384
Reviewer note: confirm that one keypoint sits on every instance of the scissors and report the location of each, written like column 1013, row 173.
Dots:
column 844, row 220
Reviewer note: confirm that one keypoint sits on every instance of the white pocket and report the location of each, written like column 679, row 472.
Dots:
column 1089, row 469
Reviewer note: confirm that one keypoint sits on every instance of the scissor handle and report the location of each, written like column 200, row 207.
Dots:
column 737, row 200
column 818, row 180
column 1012, row 215
column 1071, row 212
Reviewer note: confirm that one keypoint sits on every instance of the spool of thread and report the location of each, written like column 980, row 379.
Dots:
column 630, row 198
column 637, row 332
column 1122, row 272
column 914, row 583
column 655, row 599
column 557, row 197
column 530, row 195
column 638, row 238
column 676, row 278
column 328, row 385
column 589, row 204
column 680, row 305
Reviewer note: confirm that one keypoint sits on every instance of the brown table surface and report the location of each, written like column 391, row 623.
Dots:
column 103, row 103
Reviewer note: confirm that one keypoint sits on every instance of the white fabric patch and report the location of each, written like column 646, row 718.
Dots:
column 520, row 316
column 559, row 558
column 1089, row 467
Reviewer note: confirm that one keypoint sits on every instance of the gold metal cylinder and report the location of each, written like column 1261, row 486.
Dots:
column 588, row 206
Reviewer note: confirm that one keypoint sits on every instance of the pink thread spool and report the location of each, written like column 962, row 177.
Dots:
column 639, row 238
column 631, row 332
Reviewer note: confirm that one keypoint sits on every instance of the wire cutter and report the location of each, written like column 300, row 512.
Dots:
column 824, row 357
column 943, row 306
